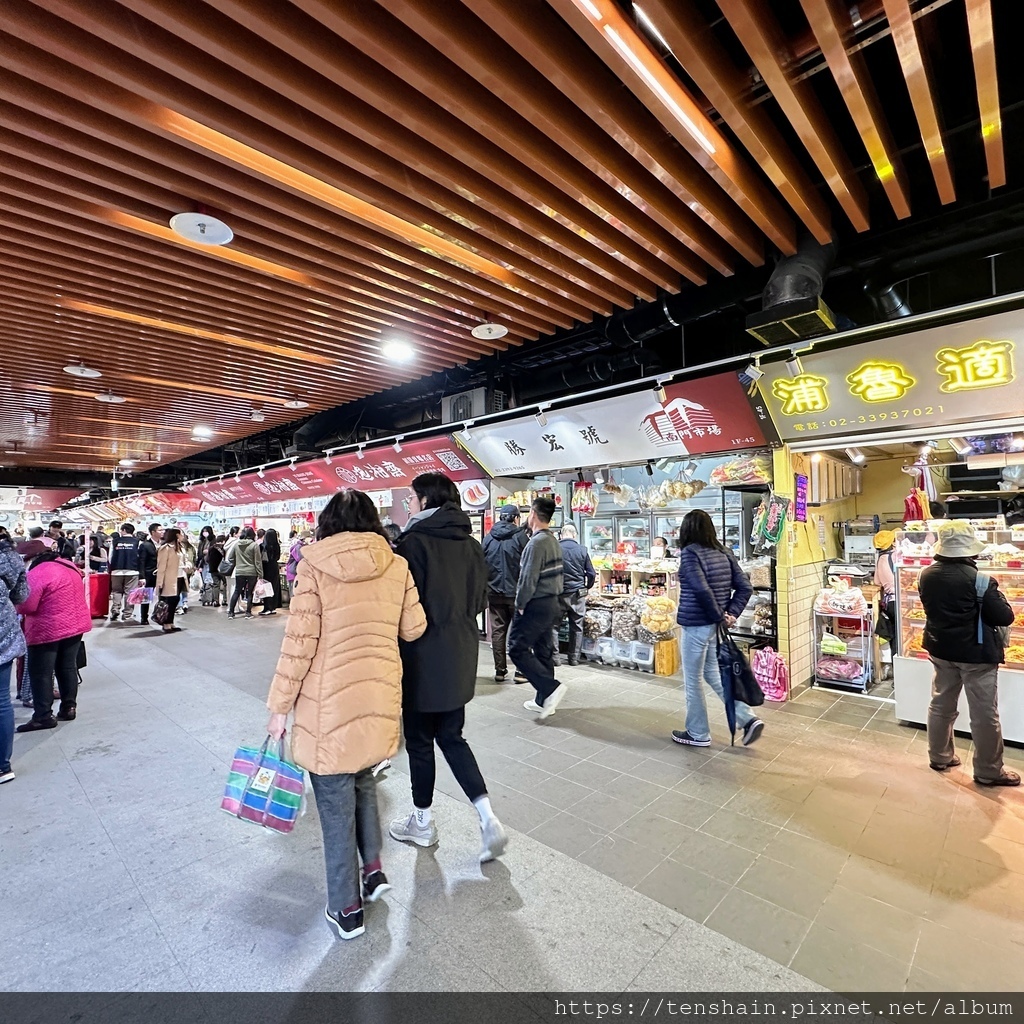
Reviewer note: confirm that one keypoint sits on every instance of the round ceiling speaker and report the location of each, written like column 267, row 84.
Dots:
column 296, row 403
column 111, row 398
column 81, row 370
column 201, row 227
column 489, row 332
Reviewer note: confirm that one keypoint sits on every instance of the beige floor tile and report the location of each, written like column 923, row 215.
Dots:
column 685, row 809
column 661, row 835
column 605, row 812
column 830, row 958
column 820, row 824
column 684, row 889
column 724, row 861
column 916, row 857
column 625, row 861
column 659, row 773
column 791, row 888
column 567, row 834
column 810, row 855
column 763, row 926
column 740, row 830
column 886, row 884
column 974, row 965
column 838, row 800
column 774, row 810
column 869, row 922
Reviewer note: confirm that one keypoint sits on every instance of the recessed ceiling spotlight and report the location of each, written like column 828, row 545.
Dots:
column 398, row 442
column 855, row 455
column 81, row 370
column 126, row 462
column 111, row 398
column 201, row 227
column 257, row 415
column 296, row 403
column 489, row 332
column 396, row 350
column 201, row 433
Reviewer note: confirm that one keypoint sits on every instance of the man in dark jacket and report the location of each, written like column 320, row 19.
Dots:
column 147, row 563
column 538, row 608
column 439, row 669
column 503, row 550
column 124, row 571
column 578, row 577
column 962, row 637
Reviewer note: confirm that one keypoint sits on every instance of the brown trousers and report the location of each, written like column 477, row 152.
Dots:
column 980, row 682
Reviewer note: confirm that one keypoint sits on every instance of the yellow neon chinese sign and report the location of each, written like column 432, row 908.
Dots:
column 801, row 394
column 877, row 381
column 985, row 364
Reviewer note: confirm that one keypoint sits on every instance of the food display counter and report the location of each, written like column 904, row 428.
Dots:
column 1003, row 560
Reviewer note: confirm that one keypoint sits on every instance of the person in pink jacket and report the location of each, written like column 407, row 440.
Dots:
column 56, row 618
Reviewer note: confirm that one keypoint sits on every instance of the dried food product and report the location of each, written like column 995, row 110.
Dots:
column 1015, row 654
column 624, row 623
column 597, row 622
column 645, row 636
column 658, row 615
column 583, row 499
column 751, row 469
column 759, row 570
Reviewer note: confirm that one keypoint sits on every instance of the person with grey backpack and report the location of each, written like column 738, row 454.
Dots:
column 966, row 615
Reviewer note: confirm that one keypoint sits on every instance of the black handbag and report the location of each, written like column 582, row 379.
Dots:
column 161, row 613
column 81, row 659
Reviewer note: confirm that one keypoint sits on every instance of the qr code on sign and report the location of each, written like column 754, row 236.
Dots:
column 452, row 461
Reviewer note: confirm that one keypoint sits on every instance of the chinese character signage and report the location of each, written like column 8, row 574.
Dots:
column 939, row 376
column 698, row 417
column 32, row 499
column 800, row 505
column 379, row 469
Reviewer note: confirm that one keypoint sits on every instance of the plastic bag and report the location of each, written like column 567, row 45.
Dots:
column 139, row 595
column 583, row 501
column 263, row 590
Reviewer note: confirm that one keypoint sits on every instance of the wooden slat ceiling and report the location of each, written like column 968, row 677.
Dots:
column 402, row 168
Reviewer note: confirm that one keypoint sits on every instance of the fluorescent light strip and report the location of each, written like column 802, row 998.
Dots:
column 647, row 65
column 197, row 332
column 291, row 177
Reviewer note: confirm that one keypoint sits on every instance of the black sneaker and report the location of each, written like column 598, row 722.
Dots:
column 348, row 926
column 519, row 678
column 752, row 731
column 682, row 736
column 500, row 677
column 67, row 714
column 375, row 884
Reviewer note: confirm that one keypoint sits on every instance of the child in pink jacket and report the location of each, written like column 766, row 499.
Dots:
column 56, row 617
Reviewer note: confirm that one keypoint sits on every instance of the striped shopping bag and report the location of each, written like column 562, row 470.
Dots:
column 265, row 788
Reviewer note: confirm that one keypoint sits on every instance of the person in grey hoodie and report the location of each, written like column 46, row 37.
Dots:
column 538, row 609
column 13, row 590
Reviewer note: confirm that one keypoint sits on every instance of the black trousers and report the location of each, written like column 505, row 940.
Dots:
column 272, row 574
column 244, row 586
column 502, row 610
column 59, row 658
column 422, row 729
column 531, row 646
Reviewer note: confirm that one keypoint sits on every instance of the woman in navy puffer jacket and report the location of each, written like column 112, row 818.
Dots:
column 713, row 591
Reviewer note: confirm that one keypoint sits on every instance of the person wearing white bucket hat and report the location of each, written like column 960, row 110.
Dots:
column 962, row 637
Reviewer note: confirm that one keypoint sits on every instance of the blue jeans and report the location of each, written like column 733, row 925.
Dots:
column 700, row 664
column 6, row 717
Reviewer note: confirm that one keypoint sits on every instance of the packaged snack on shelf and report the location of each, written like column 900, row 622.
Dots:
column 834, row 601
column 759, row 570
column 750, row 469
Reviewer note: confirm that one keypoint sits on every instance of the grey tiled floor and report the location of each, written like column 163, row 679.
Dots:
column 828, row 849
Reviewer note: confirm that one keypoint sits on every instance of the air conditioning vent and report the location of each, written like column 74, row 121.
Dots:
column 468, row 405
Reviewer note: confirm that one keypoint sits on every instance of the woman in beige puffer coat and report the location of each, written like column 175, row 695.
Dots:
column 341, row 672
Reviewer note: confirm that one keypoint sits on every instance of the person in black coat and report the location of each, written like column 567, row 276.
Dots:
column 272, row 571
column 503, row 551
column 962, row 636
column 147, row 564
column 439, row 670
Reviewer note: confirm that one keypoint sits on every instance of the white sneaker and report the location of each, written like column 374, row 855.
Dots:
column 551, row 704
column 409, row 830
column 494, row 840
column 532, row 705
column 383, row 766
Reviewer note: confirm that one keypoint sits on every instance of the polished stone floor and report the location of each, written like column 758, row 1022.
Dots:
column 828, row 854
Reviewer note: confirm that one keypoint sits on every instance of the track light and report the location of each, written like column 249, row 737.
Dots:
column 650, row 469
column 238, row 476
column 579, row 476
column 541, row 417
column 659, row 389
column 793, row 365
column 691, row 467
column 359, row 451
column 328, row 460
column 398, row 442
column 114, row 485
column 855, row 455
column 599, row 477
column 468, row 436
column 260, row 473
column 754, row 371
column 292, row 465
column 961, row 445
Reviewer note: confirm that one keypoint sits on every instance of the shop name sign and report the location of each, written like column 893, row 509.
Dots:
column 939, row 376
column 698, row 417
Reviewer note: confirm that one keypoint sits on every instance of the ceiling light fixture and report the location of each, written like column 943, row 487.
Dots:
column 598, row 477
column 257, row 415
column 541, row 410
column 126, row 462
column 817, row 457
column 465, row 429
column 489, row 332
column 291, row 465
column 961, row 445
column 111, row 398
column 1017, row 442
column 397, row 350
column 296, row 403
column 359, row 451
column 754, row 371
column 659, row 389
column 238, row 476
column 81, row 370
column 201, row 433
column 855, row 455
column 114, row 485
column 261, row 473
column 649, row 468
column 202, row 228
column 645, row 19
column 398, row 442
column 794, row 367
column 328, row 460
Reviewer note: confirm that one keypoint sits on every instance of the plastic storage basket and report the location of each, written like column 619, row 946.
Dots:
column 643, row 656
column 624, row 653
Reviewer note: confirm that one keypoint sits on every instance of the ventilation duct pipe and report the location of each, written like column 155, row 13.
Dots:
column 637, row 325
column 598, row 369
column 791, row 305
column 888, row 302
column 323, row 424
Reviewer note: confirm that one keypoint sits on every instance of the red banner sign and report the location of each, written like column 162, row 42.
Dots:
column 378, row 469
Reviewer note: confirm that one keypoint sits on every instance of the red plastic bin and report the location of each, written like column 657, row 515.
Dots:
column 99, row 594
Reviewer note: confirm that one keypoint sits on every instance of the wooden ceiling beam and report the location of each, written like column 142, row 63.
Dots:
column 762, row 37
column 576, row 125
column 831, row 25
column 694, row 44
column 602, row 25
column 983, row 50
column 922, row 94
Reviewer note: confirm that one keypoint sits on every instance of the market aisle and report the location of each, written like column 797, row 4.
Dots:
column 829, row 847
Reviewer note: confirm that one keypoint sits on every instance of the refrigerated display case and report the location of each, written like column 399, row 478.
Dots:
column 599, row 535
column 636, row 531
column 912, row 670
